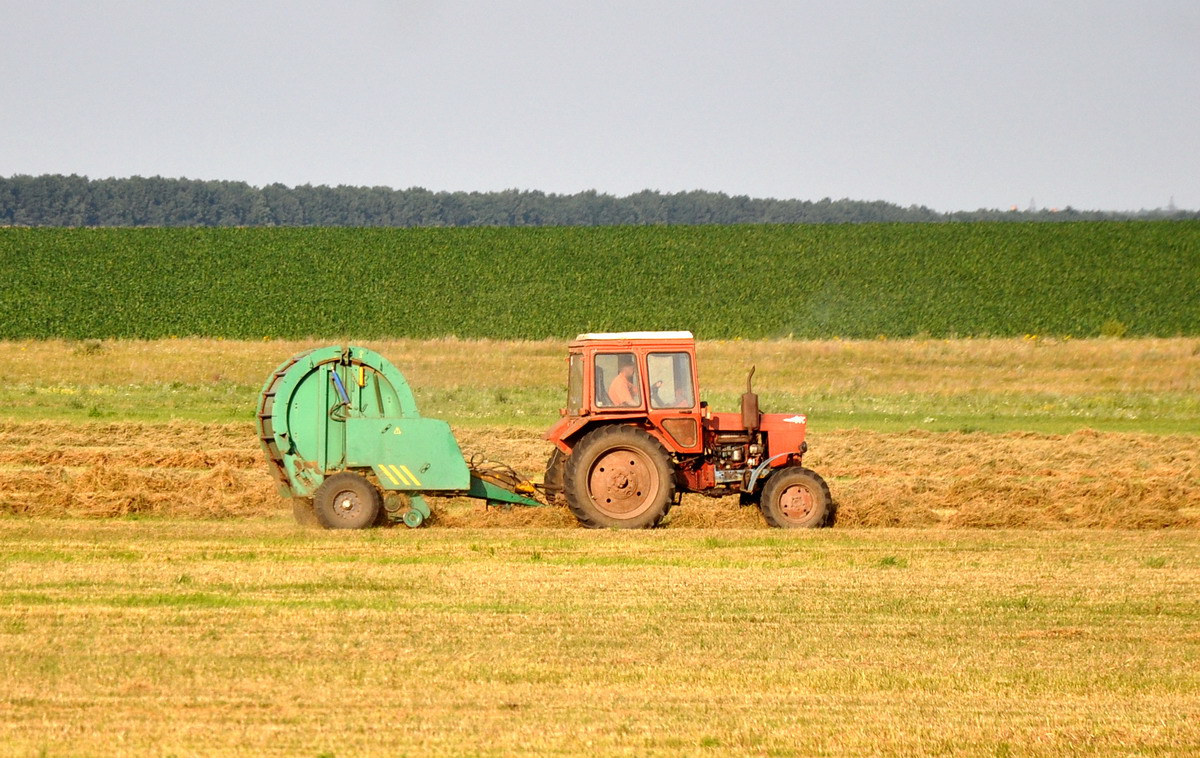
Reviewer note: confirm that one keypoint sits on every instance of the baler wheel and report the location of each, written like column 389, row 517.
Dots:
column 797, row 498
column 347, row 500
column 619, row 477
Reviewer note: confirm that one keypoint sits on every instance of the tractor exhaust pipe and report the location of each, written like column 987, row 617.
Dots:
column 750, row 415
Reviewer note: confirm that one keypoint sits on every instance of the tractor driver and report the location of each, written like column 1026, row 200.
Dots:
column 622, row 390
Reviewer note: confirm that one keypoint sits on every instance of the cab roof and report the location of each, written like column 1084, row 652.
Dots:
column 634, row 336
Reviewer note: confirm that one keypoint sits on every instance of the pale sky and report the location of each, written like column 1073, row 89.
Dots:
column 954, row 105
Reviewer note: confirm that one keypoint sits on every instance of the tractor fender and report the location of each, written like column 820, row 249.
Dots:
column 567, row 436
column 761, row 470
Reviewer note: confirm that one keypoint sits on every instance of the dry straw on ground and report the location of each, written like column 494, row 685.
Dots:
column 250, row 637
column 915, row 479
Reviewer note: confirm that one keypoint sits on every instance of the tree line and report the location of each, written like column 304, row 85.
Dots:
column 77, row 201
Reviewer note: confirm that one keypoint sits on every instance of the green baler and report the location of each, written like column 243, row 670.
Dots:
column 343, row 439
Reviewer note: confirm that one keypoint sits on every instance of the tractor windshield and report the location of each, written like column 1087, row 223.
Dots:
column 670, row 377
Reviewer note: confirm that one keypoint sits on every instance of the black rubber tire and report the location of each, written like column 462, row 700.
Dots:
column 745, row 499
column 802, row 483
column 302, row 511
column 347, row 501
column 552, row 484
column 648, row 467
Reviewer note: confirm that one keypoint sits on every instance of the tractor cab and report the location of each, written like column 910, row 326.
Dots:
column 635, row 375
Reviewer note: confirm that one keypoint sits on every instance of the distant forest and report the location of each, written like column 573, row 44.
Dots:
column 77, row 201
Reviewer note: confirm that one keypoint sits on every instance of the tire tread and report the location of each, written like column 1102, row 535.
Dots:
column 769, row 495
column 604, row 438
column 344, row 479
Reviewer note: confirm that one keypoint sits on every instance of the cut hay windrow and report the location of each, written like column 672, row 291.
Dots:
column 913, row 479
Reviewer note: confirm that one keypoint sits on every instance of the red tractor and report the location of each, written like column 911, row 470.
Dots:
column 635, row 435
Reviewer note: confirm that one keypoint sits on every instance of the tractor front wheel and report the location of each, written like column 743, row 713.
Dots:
column 797, row 498
column 618, row 477
column 347, row 501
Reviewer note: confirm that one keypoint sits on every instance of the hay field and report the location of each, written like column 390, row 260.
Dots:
column 181, row 637
column 1015, row 570
column 914, row 479
column 966, row 433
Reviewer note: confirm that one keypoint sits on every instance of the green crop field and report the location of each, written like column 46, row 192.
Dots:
column 998, row 279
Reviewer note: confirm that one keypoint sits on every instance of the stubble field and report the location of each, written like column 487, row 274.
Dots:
column 187, row 637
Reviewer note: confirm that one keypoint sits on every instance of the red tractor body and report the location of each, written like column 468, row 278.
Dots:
column 635, row 434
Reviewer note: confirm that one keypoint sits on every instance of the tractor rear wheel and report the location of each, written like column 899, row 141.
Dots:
column 618, row 477
column 347, row 501
column 797, row 498
column 552, row 484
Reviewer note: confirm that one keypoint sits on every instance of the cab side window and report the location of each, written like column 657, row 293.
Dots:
column 617, row 381
column 575, row 384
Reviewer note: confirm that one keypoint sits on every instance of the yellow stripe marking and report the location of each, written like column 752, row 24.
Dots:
column 383, row 468
column 400, row 475
column 410, row 475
